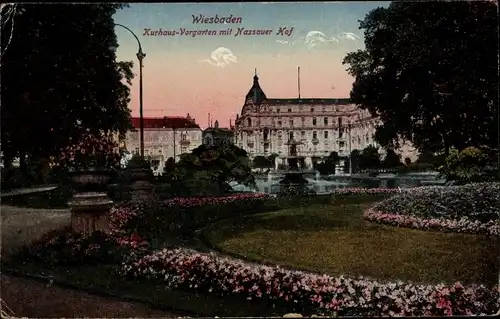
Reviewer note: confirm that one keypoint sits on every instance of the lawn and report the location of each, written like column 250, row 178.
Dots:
column 334, row 239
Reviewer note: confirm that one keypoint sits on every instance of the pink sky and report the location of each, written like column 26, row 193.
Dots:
column 179, row 79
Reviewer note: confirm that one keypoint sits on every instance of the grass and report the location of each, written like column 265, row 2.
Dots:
column 335, row 239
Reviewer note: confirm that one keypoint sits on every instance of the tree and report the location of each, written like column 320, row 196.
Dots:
column 470, row 165
column 355, row 158
column 429, row 73
column 218, row 165
column 260, row 162
column 327, row 167
column 272, row 158
column 60, row 78
column 427, row 157
column 169, row 165
column 369, row 158
column 391, row 159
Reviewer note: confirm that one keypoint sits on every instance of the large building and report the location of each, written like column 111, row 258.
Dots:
column 315, row 126
column 218, row 136
column 164, row 137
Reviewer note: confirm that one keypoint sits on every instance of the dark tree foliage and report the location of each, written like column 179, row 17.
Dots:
column 392, row 159
column 327, row 167
column 430, row 73
column 369, row 158
column 219, row 164
column 60, row 77
column 354, row 160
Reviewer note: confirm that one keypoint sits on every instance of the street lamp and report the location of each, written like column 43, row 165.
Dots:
column 140, row 56
column 349, row 127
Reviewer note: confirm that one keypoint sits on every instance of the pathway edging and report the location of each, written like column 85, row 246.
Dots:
column 92, row 291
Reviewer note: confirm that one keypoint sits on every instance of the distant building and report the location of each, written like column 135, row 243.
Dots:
column 218, row 135
column 164, row 137
column 316, row 126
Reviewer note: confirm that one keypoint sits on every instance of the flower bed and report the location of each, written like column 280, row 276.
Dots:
column 202, row 201
column 368, row 191
column 470, row 208
column 284, row 289
column 463, row 225
column 309, row 293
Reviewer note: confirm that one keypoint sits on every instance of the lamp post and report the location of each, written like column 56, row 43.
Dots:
column 140, row 56
column 349, row 127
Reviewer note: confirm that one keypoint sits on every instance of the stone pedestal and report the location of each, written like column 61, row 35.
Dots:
column 142, row 190
column 90, row 212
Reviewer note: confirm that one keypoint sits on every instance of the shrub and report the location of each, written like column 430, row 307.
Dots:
column 295, row 191
column 368, row 191
column 150, row 219
column 76, row 249
column 470, row 165
column 469, row 208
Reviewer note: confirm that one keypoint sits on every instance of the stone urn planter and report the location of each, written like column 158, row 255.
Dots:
column 90, row 203
column 140, row 176
column 91, row 180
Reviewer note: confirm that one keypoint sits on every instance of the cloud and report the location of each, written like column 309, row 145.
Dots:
column 221, row 57
column 315, row 38
column 285, row 42
column 349, row 36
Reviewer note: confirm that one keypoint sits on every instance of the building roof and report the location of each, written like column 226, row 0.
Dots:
column 219, row 131
column 256, row 94
column 317, row 101
column 165, row 122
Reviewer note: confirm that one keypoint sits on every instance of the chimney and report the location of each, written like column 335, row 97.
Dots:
column 298, row 80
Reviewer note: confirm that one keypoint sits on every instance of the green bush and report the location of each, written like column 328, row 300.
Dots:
column 67, row 248
column 295, row 190
column 471, row 165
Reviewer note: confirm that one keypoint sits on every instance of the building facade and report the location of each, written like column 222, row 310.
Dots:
column 164, row 137
column 218, row 136
column 316, row 126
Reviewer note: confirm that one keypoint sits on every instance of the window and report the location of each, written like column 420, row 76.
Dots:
column 312, row 109
column 277, row 110
column 291, row 123
column 326, row 134
column 303, row 133
column 325, row 120
column 183, row 137
column 314, row 121
column 249, row 122
column 279, row 123
column 289, row 110
column 315, row 135
column 137, row 151
column 291, row 135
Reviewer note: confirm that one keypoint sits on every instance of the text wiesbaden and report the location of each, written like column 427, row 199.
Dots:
column 282, row 31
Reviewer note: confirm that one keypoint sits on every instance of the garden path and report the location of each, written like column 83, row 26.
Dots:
column 30, row 298
column 33, row 299
column 28, row 190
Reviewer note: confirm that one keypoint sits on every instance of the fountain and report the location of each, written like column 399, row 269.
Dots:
column 294, row 180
